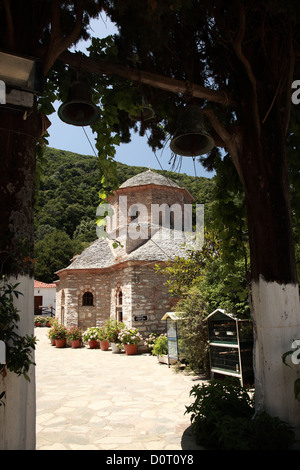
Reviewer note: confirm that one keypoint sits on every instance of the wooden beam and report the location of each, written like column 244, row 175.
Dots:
column 83, row 62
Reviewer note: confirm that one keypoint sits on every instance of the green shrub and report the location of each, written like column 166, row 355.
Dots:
column 192, row 329
column 160, row 346
column 113, row 328
column 222, row 417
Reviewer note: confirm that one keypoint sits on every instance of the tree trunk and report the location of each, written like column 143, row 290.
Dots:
column 275, row 294
column 18, row 137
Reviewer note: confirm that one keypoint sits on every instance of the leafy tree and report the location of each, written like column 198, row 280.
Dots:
column 85, row 231
column 53, row 252
column 184, row 273
column 225, row 286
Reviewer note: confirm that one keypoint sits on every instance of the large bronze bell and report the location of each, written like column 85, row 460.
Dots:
column 145, row 113
column 79, row 110
column 191, row 138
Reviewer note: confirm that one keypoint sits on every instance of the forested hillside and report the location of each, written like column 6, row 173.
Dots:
column 67, row 199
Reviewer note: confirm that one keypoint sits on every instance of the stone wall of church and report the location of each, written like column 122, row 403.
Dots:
column 150, row 300
column 136, row 295
column 121, row 288
column 73, row 310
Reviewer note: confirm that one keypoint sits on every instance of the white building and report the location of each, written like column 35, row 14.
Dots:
column 44, row 298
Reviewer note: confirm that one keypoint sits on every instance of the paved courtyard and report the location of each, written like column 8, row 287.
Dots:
column 95, row 400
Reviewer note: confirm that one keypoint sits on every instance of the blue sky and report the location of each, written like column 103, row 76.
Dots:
column 76, row 139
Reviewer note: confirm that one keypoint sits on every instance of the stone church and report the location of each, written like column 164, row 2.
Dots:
column 115, row 276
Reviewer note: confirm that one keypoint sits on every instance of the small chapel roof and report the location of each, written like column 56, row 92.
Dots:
column 148, row 177
column 97, row 255
column 164, row 245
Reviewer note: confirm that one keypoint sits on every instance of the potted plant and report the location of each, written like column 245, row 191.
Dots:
column 52, row 332
column 60, row 335
column 104, row 343
column 38, row 321
column 74, row 335
column 49, row 321
column 91, row 337
column 160, row 349
column 113, row 328
column 130, row 338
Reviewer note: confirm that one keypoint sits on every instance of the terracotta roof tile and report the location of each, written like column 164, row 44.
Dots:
column 44, row 284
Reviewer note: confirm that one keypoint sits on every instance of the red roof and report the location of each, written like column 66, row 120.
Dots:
column 44, row 284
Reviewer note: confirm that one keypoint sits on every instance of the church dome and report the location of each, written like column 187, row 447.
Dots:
column 148, row 177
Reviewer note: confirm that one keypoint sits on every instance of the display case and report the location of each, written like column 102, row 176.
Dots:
column 175, row 347
column 230, row 345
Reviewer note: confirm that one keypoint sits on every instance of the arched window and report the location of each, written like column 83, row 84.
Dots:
column 119, row 302
column 87, row 299
column 134, row 213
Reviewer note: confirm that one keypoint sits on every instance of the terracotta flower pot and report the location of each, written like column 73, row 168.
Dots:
column 75, row 343
column 130, row 349
column 53, row 342
column 104, row 345
column 93, row 344
column 60, row 343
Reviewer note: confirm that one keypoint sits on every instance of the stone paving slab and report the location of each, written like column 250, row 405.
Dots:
column 95, row 400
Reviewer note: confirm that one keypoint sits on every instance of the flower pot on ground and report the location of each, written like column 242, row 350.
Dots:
column 130, row 337
column 163, row 358
column 48, row 321
column 52, row 332
column 74, row 335
column 60, row 343
column 76, row 343
column 39, row 321
column 160, row 349
column 90, row 336
column 112, row 329
column 60, row 336
column 104, row 343
column 130, row 349
column 116, row 348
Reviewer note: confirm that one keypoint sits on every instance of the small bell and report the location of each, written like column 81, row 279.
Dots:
column 145, row 113
column 79, row 110
column 191, row 138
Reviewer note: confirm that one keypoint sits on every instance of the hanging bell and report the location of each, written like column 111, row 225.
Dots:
column 79, row 110
column 145, row 113
column 191, row 138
